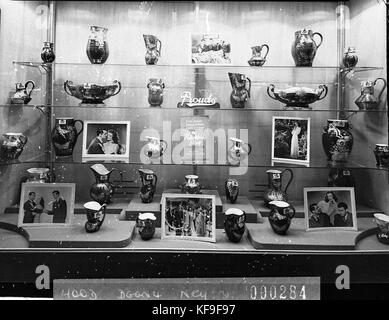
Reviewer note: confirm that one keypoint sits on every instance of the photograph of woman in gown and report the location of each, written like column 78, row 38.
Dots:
column 112, row 145
column 290, row 140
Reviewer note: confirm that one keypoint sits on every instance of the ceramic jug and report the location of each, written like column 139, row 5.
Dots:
column 234, row 224
column 340, row 177
column 149, row 184
column 145, row 223
column 381, row 153
column 155, row 87
column 275, row 191
column 350, row 58
column 239, row 150
column 241, row 86
column 64, row 135
column 191, row 185
column 13, row 145
column 367, row 100
column 280, row 216
column 337, row 140
column 97, row 46
column 304, row 47
column 95, row 213
column 155, row 148
column 40, row 175
column 153, row 48
column 257, row 60
column 102, row 190
column 232, row 189
column 23, row 92
column 382, row 221
column 47, row 53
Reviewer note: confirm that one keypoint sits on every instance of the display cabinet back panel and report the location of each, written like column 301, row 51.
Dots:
column 245, row 24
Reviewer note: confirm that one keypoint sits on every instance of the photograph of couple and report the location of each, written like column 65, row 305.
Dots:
column 46, row 203
column 330, row 209
column 290, row 139
column 106, row 140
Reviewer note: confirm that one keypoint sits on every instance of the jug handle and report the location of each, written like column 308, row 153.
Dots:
column 121, row 177
column 160, row 46
column 249, row 89
column 66, row 88
column 291, row 216
column 244, row 216
column 82, row 126
column 383, row 88
column 119, row 87
column 291, row 178
column 321, row 38
column 267, row 47
column 271, row 88
column 32, row 86
column 156, row 179
column 25, row 139
column 103, row 207
column 325, row 90
column 163, row 148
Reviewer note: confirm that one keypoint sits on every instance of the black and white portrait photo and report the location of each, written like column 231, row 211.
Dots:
column 46, row 203
column 190, row 217
column 210, row 49
column 106, row 140
column 332, row 208
column 290, row 140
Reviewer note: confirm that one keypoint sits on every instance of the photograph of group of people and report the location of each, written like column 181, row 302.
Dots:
column 106, row 140
column 188, row 217
column 46, row 203
column 330, row 208
column 290, row 140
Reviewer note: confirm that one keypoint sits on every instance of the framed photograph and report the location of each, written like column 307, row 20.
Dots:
column 106, row 140
column 188, row 216
column 330, row 208
column 210, row 49
column 46, row 204
column 290, row 140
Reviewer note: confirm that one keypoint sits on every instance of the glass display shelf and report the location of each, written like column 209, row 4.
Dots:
column 106, row 106
column 211, row 66
column 40, row 160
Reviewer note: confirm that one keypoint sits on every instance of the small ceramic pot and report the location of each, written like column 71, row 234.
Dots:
column 145, row 223
column 382, row 221
column 95, row 213
column 280, row 216
column 234, row 224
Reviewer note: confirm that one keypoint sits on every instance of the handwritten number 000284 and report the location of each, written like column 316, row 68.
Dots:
column 281, row 292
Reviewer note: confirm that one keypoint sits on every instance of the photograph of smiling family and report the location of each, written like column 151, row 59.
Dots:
column 106, row 140
column 330, row 208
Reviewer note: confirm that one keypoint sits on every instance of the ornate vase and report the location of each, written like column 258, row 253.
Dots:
column 95, row 213
column 367, row 100
column 337, row 140
column 22, row 93
column 47, row 53
column 304, row 47
column 275, row 191
column 257, row 59
column 149, row 185
column 155, row 148
column 280, row 216
column 239, row 150
column 64, row 136
column 102, row 190
column 153, row 48
column 192, row 184
column 232, row 189
column 145, row 223
column 97, row 47
column 155, row 87
column 13, row 145
column 234, row 224
column 350, row 58
column 40, row 175
column 241, row 92
column 381, row 153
